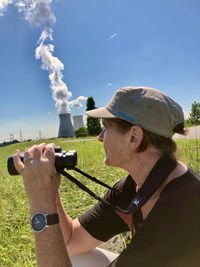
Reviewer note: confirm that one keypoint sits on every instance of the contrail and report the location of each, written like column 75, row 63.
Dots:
column 112, row 36
column 39, row 13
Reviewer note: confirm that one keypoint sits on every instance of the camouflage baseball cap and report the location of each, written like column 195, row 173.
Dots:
column 144, row 106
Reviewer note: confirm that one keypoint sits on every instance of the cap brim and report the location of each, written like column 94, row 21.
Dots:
column 100, row 113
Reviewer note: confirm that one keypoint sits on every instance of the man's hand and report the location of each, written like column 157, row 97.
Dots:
column 41, row 181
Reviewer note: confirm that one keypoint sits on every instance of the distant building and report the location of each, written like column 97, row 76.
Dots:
column 78, row 122
column 65, row 129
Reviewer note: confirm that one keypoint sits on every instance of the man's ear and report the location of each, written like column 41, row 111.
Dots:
column 136, row 136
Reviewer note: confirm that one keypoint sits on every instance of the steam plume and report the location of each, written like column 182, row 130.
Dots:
column 3, row 5
column 78, row 102
column 39, row 13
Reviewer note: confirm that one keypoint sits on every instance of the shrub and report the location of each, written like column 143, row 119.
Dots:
column 81, row 132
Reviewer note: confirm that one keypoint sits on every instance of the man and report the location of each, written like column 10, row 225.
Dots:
column 164, row 217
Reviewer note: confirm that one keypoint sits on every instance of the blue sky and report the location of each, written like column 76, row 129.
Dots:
column 103, row 45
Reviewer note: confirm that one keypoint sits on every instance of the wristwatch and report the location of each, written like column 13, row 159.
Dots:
column 39, row 221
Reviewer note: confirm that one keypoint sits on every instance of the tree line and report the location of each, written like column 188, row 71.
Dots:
column 194, row 117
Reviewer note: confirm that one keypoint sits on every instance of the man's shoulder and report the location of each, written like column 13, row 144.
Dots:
column 125, row 183
column 123, row 193
column 179, row 201
column 186, row 185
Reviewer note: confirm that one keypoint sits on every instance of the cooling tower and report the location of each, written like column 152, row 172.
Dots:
column 65, row 129
column 78, row 122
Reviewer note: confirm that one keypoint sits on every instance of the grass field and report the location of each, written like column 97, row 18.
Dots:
column 16, row 239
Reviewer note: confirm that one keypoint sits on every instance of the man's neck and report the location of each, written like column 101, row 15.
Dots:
column 141, row 165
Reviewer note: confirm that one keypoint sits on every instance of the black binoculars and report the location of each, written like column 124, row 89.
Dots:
column 63, row 160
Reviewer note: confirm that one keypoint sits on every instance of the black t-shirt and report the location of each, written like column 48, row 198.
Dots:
column 101, row 221
column 169, row 236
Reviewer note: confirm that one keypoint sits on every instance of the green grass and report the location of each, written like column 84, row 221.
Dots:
column 16, row 239
column 189, row 152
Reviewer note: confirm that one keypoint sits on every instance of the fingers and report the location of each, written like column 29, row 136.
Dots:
column 27, row 157
column 38, row 151
column 34, row 154
column 19, row 166
column 49, row 151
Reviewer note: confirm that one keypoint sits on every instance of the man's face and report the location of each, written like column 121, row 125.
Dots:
column 116, row 146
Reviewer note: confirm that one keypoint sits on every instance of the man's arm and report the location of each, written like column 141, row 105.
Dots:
column 41, row 183
column 50, row 247
column 77, row 239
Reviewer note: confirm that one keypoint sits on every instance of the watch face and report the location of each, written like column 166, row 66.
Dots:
column 38, row 222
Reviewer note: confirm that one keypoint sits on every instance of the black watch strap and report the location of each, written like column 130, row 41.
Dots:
column 52, row 219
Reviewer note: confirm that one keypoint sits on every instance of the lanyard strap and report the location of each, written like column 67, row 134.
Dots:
column 87, row 190
column 94, row 179
column 161, row 170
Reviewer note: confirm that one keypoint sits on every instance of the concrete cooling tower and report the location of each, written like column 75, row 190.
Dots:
column 78, row 122
column 65, row 129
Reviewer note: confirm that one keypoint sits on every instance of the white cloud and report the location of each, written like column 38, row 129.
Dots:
column 37, row 12
column 112, row 36
column 3, row 5
column 109, row 84
column 78, row 102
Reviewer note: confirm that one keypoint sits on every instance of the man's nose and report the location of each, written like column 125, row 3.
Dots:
column 101, row 136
